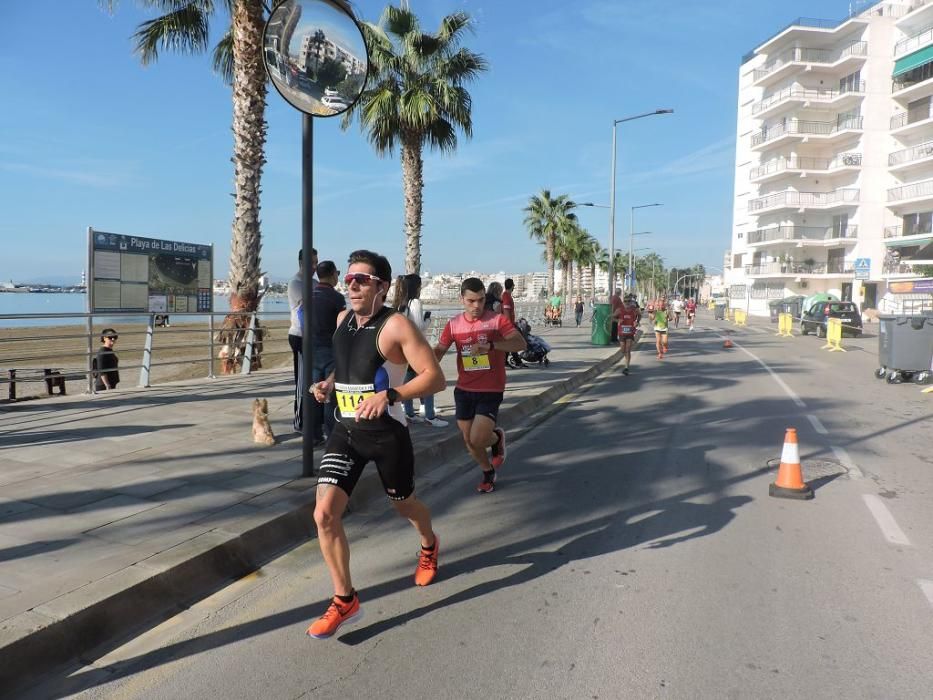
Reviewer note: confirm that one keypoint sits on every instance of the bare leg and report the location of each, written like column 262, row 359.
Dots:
column 478, row 437
column 328, row 515
column 419, row 516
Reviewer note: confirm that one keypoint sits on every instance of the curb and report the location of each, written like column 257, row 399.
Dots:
column 104, row 614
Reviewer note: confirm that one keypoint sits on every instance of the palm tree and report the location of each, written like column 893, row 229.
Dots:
column 185, row 27
column 620, row 261
column 571, row 241
column 416, row 98
column 586, row 258
column 545, row 218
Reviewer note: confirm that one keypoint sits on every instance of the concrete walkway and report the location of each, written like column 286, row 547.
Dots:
column 145, row 499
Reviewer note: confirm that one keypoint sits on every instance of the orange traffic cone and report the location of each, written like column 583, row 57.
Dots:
column 789, row 482
column 727, row 344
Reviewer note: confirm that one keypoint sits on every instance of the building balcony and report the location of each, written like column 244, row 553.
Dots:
column 907, row 123
column 804, row 130
column 914, row 43
column 913, row 193
column 802, row 167
column 802, row 201
column 801, row 97
column 913, row 158
column 897, row 270
column 796, row 58
column 801, row 236
column 913, row 85
column 919, row 14
column 795, row 269
column 895, row 236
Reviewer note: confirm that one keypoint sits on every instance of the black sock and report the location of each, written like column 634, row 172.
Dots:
column 489, row 477
column 431, row 548
column 346, row 598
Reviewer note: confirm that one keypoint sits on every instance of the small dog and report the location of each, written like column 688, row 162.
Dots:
column 262, row 431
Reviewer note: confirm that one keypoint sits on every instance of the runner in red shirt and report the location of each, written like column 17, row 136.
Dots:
column 482, row 338
column 508, row 310
column 627, row 317
column 691, row 311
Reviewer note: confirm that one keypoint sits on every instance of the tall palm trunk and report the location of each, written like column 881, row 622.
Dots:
column 249, row 139
column 413, row 187
column 565, row 290
column 592, row 280
column 549, row 257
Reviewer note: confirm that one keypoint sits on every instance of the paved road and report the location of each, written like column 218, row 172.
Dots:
column 630, row 551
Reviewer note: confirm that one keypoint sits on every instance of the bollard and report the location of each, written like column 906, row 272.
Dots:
column 833, row 336
column 785, row 325
column 741, row 317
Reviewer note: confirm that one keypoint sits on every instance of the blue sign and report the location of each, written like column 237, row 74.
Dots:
column 863, row 268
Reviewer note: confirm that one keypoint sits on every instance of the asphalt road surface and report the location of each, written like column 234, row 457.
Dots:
column 630, row 550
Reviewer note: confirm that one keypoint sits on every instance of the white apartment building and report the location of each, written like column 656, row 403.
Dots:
column 834, row 158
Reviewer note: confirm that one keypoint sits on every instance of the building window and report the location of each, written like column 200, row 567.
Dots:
column 851, row 83
column 921, row 222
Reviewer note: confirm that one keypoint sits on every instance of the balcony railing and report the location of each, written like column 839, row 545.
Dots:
column 899, row 231
column 799, row 54
column 908, row 155
column 802, row 233
column 804, row 199
column 922, row 38
column 917, row 189
column 896, row 268
column 795, row 268
column 799, row 93
column 806, row 128
column 843, row 160
column 905, row 118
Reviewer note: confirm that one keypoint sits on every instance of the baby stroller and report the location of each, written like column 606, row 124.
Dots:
column 537, row 349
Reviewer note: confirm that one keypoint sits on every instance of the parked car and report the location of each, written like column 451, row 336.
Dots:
column 334, row 102
column 814, row 319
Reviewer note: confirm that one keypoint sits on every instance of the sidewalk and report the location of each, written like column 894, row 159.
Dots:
column 146, row 499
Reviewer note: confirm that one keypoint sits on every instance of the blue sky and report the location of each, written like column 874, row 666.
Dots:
column 88, row 137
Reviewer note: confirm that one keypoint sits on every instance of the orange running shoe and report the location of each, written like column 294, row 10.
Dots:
column 427, row 564
column 336, row 614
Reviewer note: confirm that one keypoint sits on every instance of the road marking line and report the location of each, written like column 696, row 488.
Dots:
column 855, row 472
column 817, row 425
column 787, row 390
column 889, row 527
column 927, row 588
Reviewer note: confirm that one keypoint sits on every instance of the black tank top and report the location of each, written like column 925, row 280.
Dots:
column 360, row 370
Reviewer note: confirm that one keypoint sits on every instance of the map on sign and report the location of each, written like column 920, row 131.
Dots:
column 131, row 273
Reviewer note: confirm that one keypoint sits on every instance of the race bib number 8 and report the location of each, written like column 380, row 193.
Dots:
column 475, row 363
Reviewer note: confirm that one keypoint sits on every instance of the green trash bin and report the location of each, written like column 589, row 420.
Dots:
column 602, row 324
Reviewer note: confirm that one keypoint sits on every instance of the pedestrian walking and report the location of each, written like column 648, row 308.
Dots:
column 408, row 302
column 373, row 347
column 494, row 297
column 482, row 338
column 296, row 317
column 578, row 309
column 106, row 363
column 327, row 303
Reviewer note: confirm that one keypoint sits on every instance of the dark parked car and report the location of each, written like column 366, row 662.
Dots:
column 814, row 319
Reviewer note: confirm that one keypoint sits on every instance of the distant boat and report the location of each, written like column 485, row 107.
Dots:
column 10, row 287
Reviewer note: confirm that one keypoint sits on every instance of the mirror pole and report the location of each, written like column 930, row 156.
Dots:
column 307, row 245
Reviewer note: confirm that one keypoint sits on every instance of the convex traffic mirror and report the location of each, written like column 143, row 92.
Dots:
column 315, row 55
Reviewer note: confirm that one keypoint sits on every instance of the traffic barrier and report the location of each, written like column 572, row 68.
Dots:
column 728, row 313
column 711, row 305
column 789, row 482
column 741, row 317
column 833, row 336
column 785, row 325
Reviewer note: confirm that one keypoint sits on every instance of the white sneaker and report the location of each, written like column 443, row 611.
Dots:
column 436, row 422
column 414, row 418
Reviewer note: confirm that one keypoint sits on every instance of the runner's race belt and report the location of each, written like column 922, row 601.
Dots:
column 350, row 396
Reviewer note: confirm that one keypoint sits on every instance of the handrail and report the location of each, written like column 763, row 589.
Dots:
column 795, row 198
column 800, row 54
column 794, row 92
column 805, row 127
column 898, row 232
column 800, row 233
column 905, row 46
column 820, row 268
column 906, row 118
column 908, row 155
column 916, row 189
column 843, row 160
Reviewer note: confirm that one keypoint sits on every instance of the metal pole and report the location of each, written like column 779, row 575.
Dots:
column 612, row 217
column 631, row 251
column 307, row 292
column 89, row 308
column 210, row 329
column 147, row 354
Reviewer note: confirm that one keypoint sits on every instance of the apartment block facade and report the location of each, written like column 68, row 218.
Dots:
column 834, row 158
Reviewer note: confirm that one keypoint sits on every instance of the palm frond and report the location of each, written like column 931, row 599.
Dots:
column 399, row 22
column 453, row 26
column 185, row 30
column 223, row 57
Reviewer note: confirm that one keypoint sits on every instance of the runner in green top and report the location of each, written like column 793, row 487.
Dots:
column 660, row 329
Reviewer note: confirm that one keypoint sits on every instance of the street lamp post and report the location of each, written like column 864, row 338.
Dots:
column 612, row 193
column 631, row 238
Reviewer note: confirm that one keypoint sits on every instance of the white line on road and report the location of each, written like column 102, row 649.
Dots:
column 927, row 588
column 781, row 383
column 889, row 527
column 855, row 472
column 817, row 425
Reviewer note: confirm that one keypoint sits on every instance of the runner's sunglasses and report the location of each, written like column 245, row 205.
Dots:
column 360, row 278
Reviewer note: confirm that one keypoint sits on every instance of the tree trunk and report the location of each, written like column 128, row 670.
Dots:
column 565, row 280
column 592, row 280
column 549, row 258
column 413, row 188
column 249, row 139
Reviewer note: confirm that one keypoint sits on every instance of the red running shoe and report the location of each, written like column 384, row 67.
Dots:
column 336, row 614
column 498, row 450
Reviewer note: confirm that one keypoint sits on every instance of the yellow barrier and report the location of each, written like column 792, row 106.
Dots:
column 727, row 314
column 833, row 336
column 741, row 317
column 785, row 325
column 711, row 305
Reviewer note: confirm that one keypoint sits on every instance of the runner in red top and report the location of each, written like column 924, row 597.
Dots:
column 627, row 317
column 691, row 311
column 508, row 310
column 482, row 339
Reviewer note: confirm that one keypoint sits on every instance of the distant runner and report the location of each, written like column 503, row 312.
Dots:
column 627, row 316
column 482, row 338
column 691, row 312
column 677, row 306
column 660, row 329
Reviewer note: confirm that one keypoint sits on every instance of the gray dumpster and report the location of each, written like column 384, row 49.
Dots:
column 905, row 347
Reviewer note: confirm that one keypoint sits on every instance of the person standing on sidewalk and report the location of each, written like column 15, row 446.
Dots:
column 508, row 310
column 408, row 302
column 482, row 338
column 106, row 363
column 578, row 309
column 327, row 304
column 295, row 291
column 373, row 347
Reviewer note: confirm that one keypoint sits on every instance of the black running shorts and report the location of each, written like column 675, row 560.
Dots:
column 470, row 404
column 348, row 451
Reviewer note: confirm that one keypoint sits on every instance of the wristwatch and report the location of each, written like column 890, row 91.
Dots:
column 392, row 395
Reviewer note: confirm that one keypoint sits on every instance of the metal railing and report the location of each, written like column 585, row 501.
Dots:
column 843, row 160
column 908, row 155
column 921, row 38
column 799, row 127
column 906, row 118
column 792, row 198
column 791, row 268
column 801, row 233
column 799, row 93
column 917, row 189
column 896, row 268
column 898, row 232
column 799, row 54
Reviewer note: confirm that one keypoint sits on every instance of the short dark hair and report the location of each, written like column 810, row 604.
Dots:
column 325, row 268
column 472, row 284
column 379, row 263
column 107, row 333
column 301, row 253
column 509, row 284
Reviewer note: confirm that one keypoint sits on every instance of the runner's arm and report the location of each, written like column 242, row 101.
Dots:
column 444, row 342
column 429, row 377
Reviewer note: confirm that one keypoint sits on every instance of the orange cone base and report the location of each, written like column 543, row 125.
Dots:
column 805, row 493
